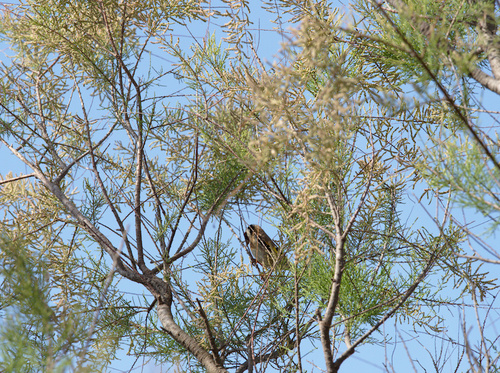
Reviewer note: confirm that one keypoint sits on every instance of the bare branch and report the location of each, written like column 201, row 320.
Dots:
column 6, row 181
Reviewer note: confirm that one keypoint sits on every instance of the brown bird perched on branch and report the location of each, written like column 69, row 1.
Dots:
column 264, row 250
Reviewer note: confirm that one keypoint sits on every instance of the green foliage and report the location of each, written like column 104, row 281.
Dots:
column 36, row 336
column 420, row 33
column 458, row 165
column 48, row 314
column 325, row 145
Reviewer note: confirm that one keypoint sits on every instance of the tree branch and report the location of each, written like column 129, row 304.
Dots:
column 407, row 294
column 188, row 342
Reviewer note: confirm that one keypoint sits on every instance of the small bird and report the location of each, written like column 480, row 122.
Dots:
column 264, row 250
